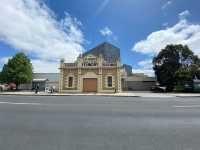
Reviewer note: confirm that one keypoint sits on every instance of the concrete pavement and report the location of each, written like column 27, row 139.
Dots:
column 98, row 122
column 123, row 94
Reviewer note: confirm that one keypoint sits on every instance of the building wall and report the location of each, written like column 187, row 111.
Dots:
column 27, row 86
column 105, row 74
column 97, row 72
column 67, row 73
column 138, row 85
column 86, row 70
column 138, row 82
column 53, row 84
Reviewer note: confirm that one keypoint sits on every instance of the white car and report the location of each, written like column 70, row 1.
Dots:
column 3, row 87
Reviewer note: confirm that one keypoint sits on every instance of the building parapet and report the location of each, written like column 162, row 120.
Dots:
column 68, row 65
column 94, row 65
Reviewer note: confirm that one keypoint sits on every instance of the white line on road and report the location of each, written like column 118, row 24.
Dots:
column 12, row 103
column 188, row 106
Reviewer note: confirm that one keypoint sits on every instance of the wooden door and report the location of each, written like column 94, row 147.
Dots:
column 90, row 85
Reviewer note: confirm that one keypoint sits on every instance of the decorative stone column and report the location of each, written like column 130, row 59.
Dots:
column 79, row 65
column 119, row 86
column 100, row 76
column 61, row 75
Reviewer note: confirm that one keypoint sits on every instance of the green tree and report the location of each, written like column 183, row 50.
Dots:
column 0, row 78
column 174, row 64
column 195, row 71
column 18, row 70
column 183, row 76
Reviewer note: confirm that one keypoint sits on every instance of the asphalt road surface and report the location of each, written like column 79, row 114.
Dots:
column 99, row 123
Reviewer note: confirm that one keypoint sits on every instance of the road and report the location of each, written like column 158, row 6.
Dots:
column 99, row 123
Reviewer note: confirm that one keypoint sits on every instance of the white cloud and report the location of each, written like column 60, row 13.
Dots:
column 4, row 60
column 148, row 72
column 29, row 25
column 146, row 64
column 145, row 67
column 181, row 33
column 108, row 34
column 42, row 66
column 184, row 14
column 106, row 31
column 167, row 4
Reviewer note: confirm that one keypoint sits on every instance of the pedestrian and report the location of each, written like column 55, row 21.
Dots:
column 37, row 89
column 51, row 89
column 54, row 88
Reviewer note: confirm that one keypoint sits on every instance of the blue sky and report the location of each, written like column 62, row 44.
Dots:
column 47, row 30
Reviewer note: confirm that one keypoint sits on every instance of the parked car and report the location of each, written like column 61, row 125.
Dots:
column 188, row 88
column 12, row 86
column 3, row 87
column 6, row 87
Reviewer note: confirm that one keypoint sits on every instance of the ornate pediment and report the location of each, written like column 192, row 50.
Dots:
column 90, row 60
column 89, row 56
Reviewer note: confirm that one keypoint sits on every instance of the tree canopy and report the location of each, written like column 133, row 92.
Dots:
column 176, row 64
column 18, row 70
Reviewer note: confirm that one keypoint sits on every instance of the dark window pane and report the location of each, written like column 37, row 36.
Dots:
column 70, row 82
column 110, row 81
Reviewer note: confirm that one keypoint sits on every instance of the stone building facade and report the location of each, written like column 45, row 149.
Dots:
column 98, row 70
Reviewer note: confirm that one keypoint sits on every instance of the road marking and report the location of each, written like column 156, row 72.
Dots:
column 12, row 103
column 188, row 106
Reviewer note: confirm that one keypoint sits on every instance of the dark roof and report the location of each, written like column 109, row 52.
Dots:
column 107, row 50
column 128, row 69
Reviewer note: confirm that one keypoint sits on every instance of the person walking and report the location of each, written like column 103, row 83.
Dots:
column 37, row 89
column 52, row 89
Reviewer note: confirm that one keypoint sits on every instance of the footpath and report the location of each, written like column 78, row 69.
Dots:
column 123, row 94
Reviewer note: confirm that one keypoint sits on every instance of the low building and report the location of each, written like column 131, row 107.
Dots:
column 138, row 82
column 44, row 80
column 98, row 70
